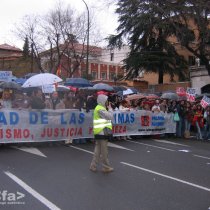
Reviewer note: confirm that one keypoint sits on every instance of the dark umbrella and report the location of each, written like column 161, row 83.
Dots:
column 78, row 82
column 119, row 88
column 134, row 90
column 62, row 88
column 120, row 93
column 10, row 85
column 200, row 96
column 103, row 86
column 170, row 96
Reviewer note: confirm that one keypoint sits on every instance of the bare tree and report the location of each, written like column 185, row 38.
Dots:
column 66, row 30
column 61, row 30
column 30, row 27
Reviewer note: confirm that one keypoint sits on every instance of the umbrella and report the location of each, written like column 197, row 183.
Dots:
column 119, row 93
column 72, row 88
column 62, row 88
column 135, row 97
column 151, row 96
column 102, row 92
column 119, row 88
column 9, row 85
column 134, row 90
column 103, row 86
column 199, row 97
column 127, row 92
column 20, row 81
column 88, row 90
column 171, row 96
column 78, row 82
column 41, row 79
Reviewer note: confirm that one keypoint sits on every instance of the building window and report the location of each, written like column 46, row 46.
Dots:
column 112, row 56
column 103, row 75
column 94, row 75
column 111, row 75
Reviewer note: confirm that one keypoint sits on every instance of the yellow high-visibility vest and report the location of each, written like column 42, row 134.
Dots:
column 99, row 123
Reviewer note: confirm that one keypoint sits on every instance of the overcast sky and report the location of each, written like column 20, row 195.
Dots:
column 12, row 12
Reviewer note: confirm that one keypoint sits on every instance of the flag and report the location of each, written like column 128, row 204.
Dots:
column 58, row 72
column 205, row 102
column 180, row 91
column 190, row 93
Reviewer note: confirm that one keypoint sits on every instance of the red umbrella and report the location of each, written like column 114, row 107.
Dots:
column 152, row 96
column 102, row 93
column 74, row 89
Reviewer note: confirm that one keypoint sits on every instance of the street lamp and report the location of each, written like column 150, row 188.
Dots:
column 88, row 29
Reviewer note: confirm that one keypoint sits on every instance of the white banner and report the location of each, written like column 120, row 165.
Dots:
column 142, row 123
column 57, row 125
column 44, row 125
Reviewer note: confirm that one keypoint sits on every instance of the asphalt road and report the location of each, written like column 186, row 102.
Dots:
column 163, row 174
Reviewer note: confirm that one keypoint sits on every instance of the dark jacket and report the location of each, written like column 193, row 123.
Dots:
column 37, row 103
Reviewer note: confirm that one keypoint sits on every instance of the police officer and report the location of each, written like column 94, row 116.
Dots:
column 102, row 128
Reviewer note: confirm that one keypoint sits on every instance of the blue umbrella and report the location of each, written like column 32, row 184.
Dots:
column 20, row 81
column 78, row 82
column 103, row 86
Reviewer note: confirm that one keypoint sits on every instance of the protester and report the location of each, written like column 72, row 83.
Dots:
column 102, row 128
column 69, row 100
column 188, row 117
column 172, row 106
column 54, row 102
column 124, row 106
column 37, row 100
column 91, row 102
column 156, row 106
column 79, row 101
column 21, row 101
column 164, row 106
column 180, row 123
column 207, row 122
column 146, row 106
column 198, row 121
column 7, row 99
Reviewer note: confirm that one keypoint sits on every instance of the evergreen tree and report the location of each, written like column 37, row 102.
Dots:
column 26, row 51
column 146, row 25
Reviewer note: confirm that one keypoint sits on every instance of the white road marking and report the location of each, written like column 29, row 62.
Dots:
column 33, row 192
column 152, row 146
column 171, row 142
column 84, row 150
column 109, row 144
column 31, row 150
column 119, row 147
column 168, row 177
column 202, row 157
column 184, row 150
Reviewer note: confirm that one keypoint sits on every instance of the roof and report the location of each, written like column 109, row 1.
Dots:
column 9, row 47
column 82, row 48
column 78, row 48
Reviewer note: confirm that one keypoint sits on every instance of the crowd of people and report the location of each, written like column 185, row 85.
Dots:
column 189, row 116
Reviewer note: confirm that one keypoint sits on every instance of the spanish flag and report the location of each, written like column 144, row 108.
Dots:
column 58, row 72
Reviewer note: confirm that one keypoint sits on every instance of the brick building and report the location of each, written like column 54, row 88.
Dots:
column 73, row 62
column 8, row 54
